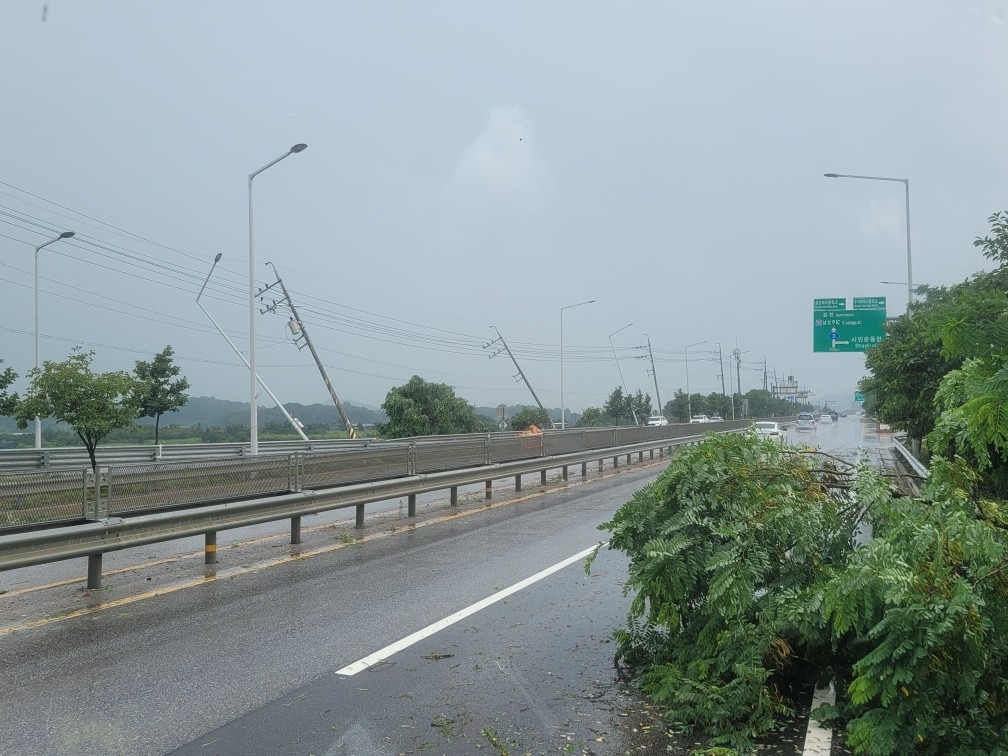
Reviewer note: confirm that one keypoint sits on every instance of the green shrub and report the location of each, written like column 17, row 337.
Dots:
column 730, row 527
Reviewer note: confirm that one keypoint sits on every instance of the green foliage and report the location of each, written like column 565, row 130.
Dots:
column 8, row 401
column 156, row 392
column 592, row 417
column 907, row 367
column 742, row 563
column 995, row 246
column 925, row 605
column 639, row 403
column 421, row 408
column 972, row 400
column 616, row 406
column 761, row 404
column 93, row 404
column 733, row 526
column 527, row 416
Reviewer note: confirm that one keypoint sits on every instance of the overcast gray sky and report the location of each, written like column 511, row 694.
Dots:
column 474, row 165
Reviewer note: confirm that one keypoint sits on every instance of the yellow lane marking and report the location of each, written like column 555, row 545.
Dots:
column 231, row 572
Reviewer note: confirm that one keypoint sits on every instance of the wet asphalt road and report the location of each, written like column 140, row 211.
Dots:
column 246, row 661
column 151, row 675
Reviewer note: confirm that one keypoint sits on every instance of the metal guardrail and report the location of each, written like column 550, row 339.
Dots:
column 111, row 533
column 911, row 461
column 17, row 460
column 58, row 496
column 344, row 479
column 55, row 458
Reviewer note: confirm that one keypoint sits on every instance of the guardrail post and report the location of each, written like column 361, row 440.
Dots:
column 411, row 459
column 565, row 473
column 542, row 477
column 652, row 453
column 359, row 520
column 584, row 470
column 517, row 483
column 96, row 493
column 210, row 548
column 295, row 473
column 411, row 506
column 600, row 462
column 615, row 463
column 295, row 530
column 640, row 456
column 454, row 496
column 488, row 491
column 45, row 460
column 94, row 571
column 629, row 458
column 157, row 452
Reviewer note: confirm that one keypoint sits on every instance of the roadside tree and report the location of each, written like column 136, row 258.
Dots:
column 93, row 404
column 420, row 408
column 639, row 403
column 616, row 406
column 527, row 416
column 592, row 417
column 8, row 400
column 157, row 393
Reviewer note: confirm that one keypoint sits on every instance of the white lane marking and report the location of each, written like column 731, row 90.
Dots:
column 451, row 619
column 819, row 739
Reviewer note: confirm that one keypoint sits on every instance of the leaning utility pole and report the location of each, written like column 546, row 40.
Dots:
column 299, row 331
column 517, row 366
column 738, row 375
column 661, row 410
column 721, row 362
column 720, row 357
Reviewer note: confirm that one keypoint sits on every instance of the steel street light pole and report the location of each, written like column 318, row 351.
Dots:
column 563, row 408
column 622, row 379
column 64, row 235
column 689, row 401
column 906, row 186
column 253, row 412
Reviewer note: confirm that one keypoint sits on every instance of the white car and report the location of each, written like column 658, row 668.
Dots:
column 699, row 419
column 716, row 419
column 656, row 420
column 805, row 421
column 769, row 429
column 825, row 418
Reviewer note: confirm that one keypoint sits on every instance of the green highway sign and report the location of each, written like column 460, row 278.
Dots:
column 858, row 396
column 867, row 303
column 830, row 303
column 837, row 329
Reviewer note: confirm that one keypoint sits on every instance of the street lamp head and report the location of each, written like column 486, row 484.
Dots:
column 831, row 175
column 218, row 257
column 300, row 147
column 66, row 235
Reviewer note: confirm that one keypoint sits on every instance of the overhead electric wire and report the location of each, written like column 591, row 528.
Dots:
column 326, row 314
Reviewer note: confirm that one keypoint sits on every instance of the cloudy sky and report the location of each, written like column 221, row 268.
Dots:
column 486, row 164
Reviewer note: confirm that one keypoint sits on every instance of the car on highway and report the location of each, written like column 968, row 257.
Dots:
column 716, row 419
column 656, row 420
column 805, row 421
column 825, row 418
column 769, row 429
column 699, row 419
